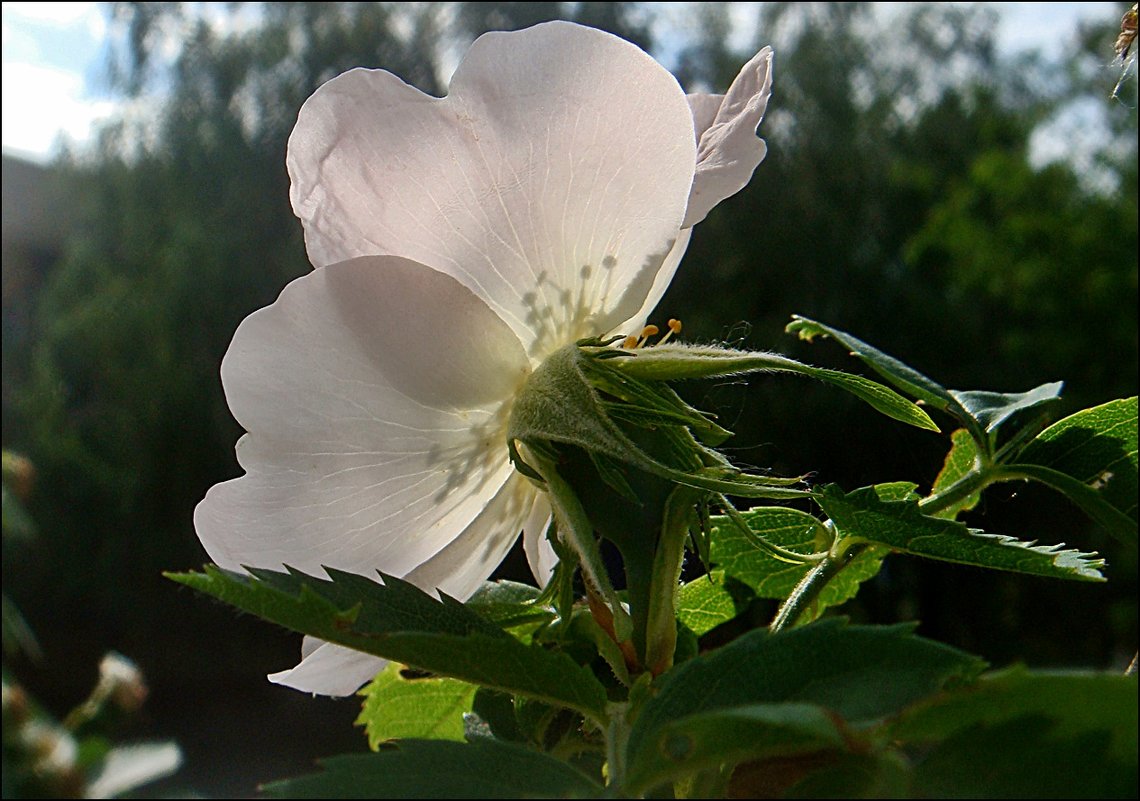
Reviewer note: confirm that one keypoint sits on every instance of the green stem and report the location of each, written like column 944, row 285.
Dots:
column 661, row 617
column 773, row 550
column 617, row 739
column 811, row 585
column 575, row 528
column 974, row 481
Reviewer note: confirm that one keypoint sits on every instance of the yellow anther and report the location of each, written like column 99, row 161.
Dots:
column 674, row 328
column 629, row 343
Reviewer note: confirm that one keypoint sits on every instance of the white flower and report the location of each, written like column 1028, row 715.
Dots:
column 461, row 240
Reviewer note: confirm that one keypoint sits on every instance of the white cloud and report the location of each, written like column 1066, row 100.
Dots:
column 39, row 104
column 58, row 14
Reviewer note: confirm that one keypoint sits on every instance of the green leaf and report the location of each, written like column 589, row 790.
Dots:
column 1023, row 758
column 729, row 736
column 875, row 774
column 484, row 768
column 901, row 526
column 398, row 621
column 1077, row 702
column 705, row 603
column 742, row 571
column 861, row 673
column 397, row 707
column 1020, row 734
column 992, row 409
column 960, row 462
column 1096, row 448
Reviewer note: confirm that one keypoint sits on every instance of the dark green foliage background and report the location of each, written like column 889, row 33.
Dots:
column 897, row 202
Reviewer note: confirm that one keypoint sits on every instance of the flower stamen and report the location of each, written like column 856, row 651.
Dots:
column 674, row 328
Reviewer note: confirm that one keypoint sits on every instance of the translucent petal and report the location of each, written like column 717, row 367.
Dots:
column 551, row 181
column 539, row 552
column 457, row 570
column 374, row 395
column 728, row 149
column 660, row 284
column 470, row 558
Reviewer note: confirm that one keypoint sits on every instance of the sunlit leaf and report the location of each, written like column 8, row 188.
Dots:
column 1095, row 448
column 398, row 707
column 901, row 526
column 742, row 571
column 960, row 461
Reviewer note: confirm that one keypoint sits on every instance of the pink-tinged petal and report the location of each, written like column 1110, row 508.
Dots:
column 374, row 395
column 539, row 552
column 330, row 670
column 551, row 181
column 728, row 149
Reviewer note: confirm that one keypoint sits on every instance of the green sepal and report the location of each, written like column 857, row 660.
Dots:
column 676, row 362
column 560, row 405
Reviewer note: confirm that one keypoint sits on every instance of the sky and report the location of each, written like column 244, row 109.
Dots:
column 54, row 60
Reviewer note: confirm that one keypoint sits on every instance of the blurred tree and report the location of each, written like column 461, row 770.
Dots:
column 900, row 200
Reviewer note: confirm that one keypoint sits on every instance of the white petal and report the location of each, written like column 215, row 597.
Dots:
column 539, row 552
column 470, row 558
column 330, row 670
column 551, row 181
column 729, row 149
column 373, row 391
column 704, row 108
